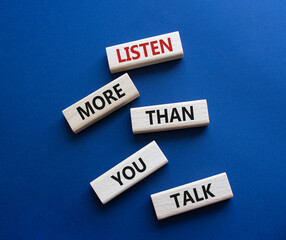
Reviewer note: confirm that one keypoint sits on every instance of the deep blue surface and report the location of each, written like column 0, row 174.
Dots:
column 52, row 53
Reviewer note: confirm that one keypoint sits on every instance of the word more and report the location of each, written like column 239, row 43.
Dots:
column 101, row 103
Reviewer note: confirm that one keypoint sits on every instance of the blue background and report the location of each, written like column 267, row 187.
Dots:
column 53, row 54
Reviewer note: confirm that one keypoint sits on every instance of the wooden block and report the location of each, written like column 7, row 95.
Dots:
column 191, row 196
column 100, row 103
column 169, row 116
column 130, row 171
column 144, row 52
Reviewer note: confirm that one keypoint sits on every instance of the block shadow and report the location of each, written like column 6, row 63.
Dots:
column 151, row 70
column 170, row 135
column 191, row 215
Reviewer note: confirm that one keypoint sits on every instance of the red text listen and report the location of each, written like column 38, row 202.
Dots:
column 144, row 50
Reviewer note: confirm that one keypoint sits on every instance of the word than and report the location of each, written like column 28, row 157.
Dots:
column 169, row 115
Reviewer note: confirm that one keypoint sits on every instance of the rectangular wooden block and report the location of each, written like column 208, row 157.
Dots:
column 144, row 52
column 191, row 196
column 130, row 171
column 100, row 103
column 169, row 116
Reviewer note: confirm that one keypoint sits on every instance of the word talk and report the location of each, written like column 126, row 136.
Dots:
column 130, row 171
column 191, row 196
column 187, row 196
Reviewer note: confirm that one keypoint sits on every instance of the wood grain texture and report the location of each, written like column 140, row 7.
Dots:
column 191, row 196
column 130, row 171
column 101, row 103
column 169, row 116
column 144, row 52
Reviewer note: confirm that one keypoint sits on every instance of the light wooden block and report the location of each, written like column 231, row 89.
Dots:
column 100, row 103
column 169, row 116
column 144, row 52
column 130, row 171
column 191, row 196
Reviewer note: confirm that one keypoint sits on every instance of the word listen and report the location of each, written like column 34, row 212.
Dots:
column 191, row 196
column 130, row 171
column 144, row 52
column 169, row 116
column 132, row 52
column 101, row 103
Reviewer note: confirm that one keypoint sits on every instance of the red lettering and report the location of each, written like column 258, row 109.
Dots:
column 144, row 48
column 119, row 57
column 169, row 46
column 127, row 53
column 153, row 47
column 135, row 52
